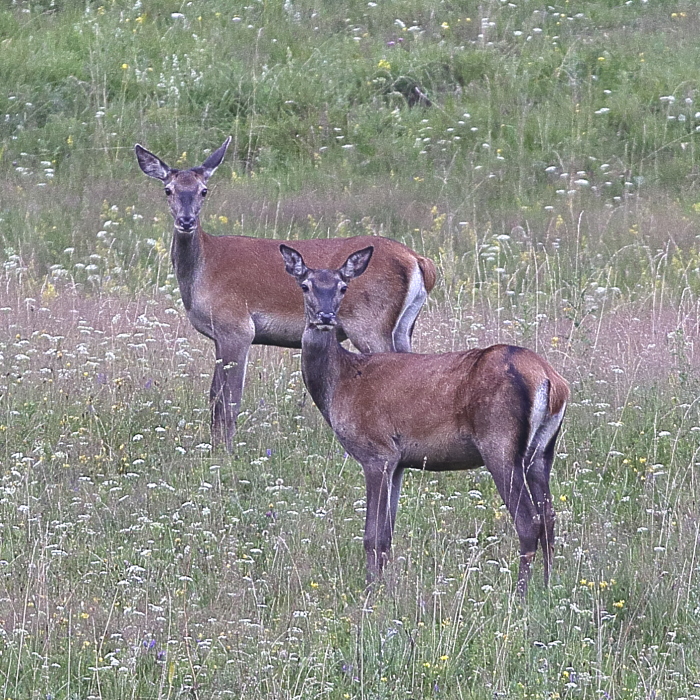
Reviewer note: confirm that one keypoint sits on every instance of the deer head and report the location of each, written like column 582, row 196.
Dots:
column 324, row 289
column 185, row 189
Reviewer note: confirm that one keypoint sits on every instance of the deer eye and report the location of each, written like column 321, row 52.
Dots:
column 204, row 193
column 304, row 287
column 343, row 289
column 168, row 191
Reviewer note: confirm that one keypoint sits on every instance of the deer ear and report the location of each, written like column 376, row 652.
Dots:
column 356, row 263
column 208, row 167
column 152, row 165
column 293, row 262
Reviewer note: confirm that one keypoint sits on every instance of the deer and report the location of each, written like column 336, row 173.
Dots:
column 235, row 294
column 500, row 407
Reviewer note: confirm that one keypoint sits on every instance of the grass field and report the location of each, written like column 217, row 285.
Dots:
column 553, row 179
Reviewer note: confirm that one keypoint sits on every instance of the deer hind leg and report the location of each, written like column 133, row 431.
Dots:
column 227, row 387
column 509, row 476
column 538, row 467
column 382, row 485
column 391, row 329
column 369, row 339
column 537, row 477
column 415, row 298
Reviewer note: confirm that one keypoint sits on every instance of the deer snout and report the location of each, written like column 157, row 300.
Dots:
column 186, row 223
column 326, row 318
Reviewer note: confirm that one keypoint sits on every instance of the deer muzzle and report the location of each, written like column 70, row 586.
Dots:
column 186, row 224
column 325, row 320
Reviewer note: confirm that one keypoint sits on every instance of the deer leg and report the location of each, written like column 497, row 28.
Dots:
column 226, row 389
column 370, row 334
column 510, row 482
column 403, row 332
column 381, row 510
column 403, row 339
column 371, row 341
column 537, row 475
column 395, row 493
column 538, row 486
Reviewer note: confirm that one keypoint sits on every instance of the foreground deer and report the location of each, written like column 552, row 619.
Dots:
column 236, row 294
column 501, row 407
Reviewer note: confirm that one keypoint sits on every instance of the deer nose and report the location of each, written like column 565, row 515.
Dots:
column 186, row 223
column 326, row 318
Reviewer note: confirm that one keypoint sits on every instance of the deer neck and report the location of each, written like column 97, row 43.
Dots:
column 186, row 254
column 322, row 359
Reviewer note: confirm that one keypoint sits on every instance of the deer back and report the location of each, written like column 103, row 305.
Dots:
column 243, row 275
column 445, row 405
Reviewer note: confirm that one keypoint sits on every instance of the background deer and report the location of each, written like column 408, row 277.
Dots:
column 236, row 294
column 501, row 407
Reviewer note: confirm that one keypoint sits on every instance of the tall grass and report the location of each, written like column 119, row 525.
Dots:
column 553, row 180
column 137, row 563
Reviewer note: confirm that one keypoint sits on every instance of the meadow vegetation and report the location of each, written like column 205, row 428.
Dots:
column 553, row 178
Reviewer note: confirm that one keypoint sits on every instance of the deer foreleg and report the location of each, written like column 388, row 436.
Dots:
column 395, row 493
column 381, row 512
column 226, row 390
